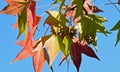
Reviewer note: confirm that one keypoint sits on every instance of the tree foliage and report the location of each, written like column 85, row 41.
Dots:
column 73, row 30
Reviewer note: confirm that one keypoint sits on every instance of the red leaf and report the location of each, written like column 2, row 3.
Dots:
column 94, row 9
column 76, row 55
column 76, row 51
column 90, row 8
column 32, row 7
column 88, row 51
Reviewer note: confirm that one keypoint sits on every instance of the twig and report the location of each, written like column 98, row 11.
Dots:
column 48, row 10
column 45, row 5
column 114, row 5
column 46, row 30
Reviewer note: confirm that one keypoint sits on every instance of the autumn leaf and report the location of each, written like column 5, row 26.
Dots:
column 32, row 7
column 17, row 0
column 20, row 43
column 88, row 51
column 13, row 8
column 117, row 27
column 26, row 51
column 53, row 48
column 41, row 41
column 39, row 60
column 39, row 56
column 34, row 49
column 76, row 53
column 94, row 9
column 90, row 8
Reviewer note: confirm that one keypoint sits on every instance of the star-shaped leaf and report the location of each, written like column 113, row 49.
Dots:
column 76, row 53
column 53, row 48
column 13, row 7
column 89, row 25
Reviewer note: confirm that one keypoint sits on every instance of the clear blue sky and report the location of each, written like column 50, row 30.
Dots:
column 108, row 53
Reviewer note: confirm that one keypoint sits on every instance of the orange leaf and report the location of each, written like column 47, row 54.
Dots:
column 27, row 48
column 39, row 60
column 21, row 43
column 13, row 8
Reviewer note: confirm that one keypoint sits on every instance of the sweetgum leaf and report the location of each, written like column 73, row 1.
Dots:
column 39, row 59
column 13, row 8
column 26, row 51
column 118, row 38
column 94, row 9
column 61, row 44
column 53, row 48
column 22, row 19
column 91, row 24
column 76, row 55
column 55, row 18
column 79, row 8
column 32, row 7
column 67, row 42
column 88, row 51
column 116, row 27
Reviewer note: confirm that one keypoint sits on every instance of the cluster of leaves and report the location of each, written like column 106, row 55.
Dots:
column 73, row 29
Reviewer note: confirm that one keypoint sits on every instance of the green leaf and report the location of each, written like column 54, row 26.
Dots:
column 22, row 18
column 91, row 24
column 79, row 8
column 95, row 44
column 118, row 38
column 101, row 29
column 55, row 18
column 67, row 42
column 62, row 47
column 56, row 1
column 116, row 27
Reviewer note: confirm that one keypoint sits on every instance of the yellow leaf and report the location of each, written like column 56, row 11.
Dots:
column 53, row 48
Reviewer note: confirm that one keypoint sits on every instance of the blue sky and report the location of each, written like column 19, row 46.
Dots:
column 108, row 53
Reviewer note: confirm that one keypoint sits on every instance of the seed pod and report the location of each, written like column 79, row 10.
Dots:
column 89, row 38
